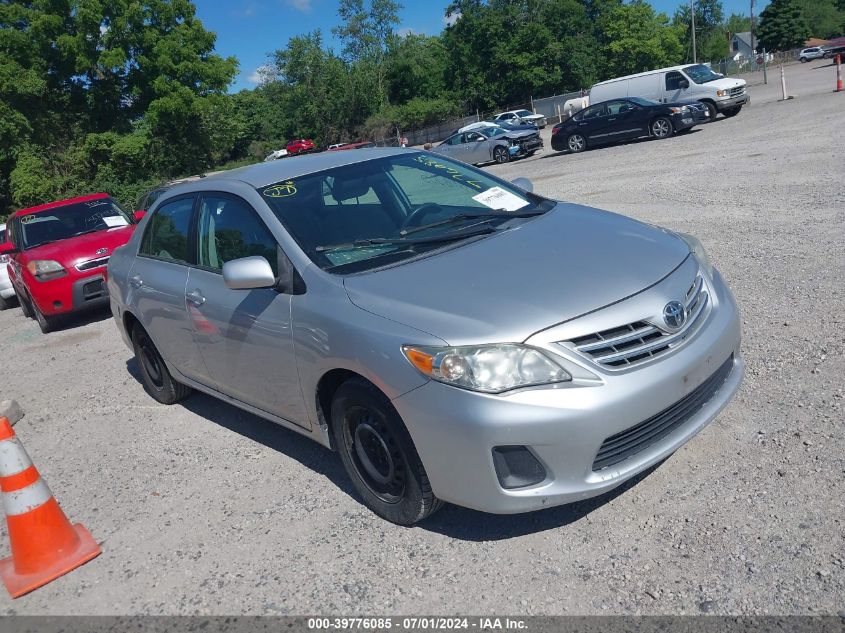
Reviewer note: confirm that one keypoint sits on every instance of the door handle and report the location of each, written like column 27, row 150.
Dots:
column 136, row 281
column 195, row 297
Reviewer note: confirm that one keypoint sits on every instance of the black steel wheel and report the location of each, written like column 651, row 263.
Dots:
column 154, row 373
column 379, row 455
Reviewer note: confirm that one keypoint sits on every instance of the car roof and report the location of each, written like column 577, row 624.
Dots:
column 60, row 203
column 262, row 174
column 649, row 72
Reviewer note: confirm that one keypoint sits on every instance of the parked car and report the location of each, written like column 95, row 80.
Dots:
column 624, row 119
column 522, row 115
column 516, row 125
column 396, row 307
column 355, row 145
column 814, row 52
column 678, row 83
column 61, row 249
column 147, row 201
column 490, row 144
column 276, row 154
column 300, row 146
column 7, row 291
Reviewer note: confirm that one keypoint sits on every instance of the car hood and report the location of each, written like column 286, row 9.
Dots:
column 726, row 83
column 75, row 250
column 506, row 287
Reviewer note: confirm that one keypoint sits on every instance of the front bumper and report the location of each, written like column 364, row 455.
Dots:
column 727, row 104
column 684, row 121
column 70, row 294
column 455, row 430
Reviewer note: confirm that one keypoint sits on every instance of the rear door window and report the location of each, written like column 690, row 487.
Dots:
column 167, row 233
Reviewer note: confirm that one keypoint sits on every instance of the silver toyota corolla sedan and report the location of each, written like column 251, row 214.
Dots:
column 453, row 336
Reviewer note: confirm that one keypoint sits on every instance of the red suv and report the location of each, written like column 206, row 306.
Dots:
column 300, row 146
column 58, row 264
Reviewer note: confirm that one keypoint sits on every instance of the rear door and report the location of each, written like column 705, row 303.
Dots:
column 157, row 281
column 244, row 335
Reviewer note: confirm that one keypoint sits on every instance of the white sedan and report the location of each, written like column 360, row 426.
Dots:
column 526, row 115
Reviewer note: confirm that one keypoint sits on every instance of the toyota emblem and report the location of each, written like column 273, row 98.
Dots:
column 674, row 314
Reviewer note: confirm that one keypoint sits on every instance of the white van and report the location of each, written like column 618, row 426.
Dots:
column 694, row 82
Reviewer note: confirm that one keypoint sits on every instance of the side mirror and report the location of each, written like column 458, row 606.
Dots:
column 524, row 184
column 139, row 214
column 248, row 272
column 684, row 84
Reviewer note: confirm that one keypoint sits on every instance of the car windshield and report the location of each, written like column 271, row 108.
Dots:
column 70, row 220
column 493, row 132
column 643, row 102
column 524, row 113
column 382, row 211
column 701, row 74
column 2, row 235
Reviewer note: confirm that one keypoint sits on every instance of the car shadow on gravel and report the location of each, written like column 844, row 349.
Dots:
column 471, row 525
column 304, row 450
column 77, row 320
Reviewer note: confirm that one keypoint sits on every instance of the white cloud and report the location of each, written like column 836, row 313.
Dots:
column 300, row 5
column 262, row 75
column 405, row 31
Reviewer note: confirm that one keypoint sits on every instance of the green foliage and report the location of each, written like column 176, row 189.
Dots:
column 825, row 18
column 639, row 39
column 783, row 26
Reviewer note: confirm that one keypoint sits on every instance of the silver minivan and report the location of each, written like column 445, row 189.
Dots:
column 454, row 337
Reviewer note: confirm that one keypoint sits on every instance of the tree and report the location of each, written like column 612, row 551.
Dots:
column 824, row 18
column 639, row 39
column 782, row 26
column 711, row 42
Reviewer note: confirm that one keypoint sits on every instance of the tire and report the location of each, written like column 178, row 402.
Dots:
column 803, row 60
column 154, row 373
column 711, row 108
column 26, row 308
column 379, row 455
column 5, row 303
column 46, row 323
column 732, row 111
column 661, row 127
column 576, row 143
column 500, row 155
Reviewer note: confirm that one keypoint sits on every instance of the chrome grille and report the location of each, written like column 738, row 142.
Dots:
column 739, row 90
column 93, row 263
column 634, row 343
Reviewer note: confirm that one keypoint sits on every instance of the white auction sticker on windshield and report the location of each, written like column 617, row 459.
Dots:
column 498, row 198
column 115, row 220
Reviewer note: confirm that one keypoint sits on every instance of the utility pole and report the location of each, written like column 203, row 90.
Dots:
column 692, row 15
column 753, row 48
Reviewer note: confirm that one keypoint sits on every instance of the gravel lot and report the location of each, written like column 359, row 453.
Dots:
column 203, row 509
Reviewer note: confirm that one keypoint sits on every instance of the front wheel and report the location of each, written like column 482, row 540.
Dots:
column 732, row 111
column 26, row 308
column 154, row 373
column 46, row 323
column 5, row 303
column 661, row 127
column 711, row 110
column 500, row 155
column 803, row 60
column 379, row 455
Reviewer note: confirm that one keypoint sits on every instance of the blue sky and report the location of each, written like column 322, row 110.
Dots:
column 250, row 29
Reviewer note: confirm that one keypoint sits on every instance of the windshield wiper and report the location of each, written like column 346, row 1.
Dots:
column 40, row 244
column 390, row 241
column 499, row 213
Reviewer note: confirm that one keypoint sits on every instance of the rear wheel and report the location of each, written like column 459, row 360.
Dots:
column 156, row 377
column 576, row 143
column 379, row 455
column 661, row 127
column 732, row 111
column 500, row 155
column 5, row 303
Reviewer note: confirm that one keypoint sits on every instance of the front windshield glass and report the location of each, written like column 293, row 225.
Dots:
column 71, row 220
column 524, row 113
column 493, row 132
column 379, row 212
column 643, row 102
column 701, row 74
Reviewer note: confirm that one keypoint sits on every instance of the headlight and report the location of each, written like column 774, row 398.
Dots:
column 722, row 93
column 681, row 110
column 697, row 249
column 487, row 368
column 45, row 269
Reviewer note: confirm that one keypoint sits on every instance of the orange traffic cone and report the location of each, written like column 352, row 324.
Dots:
column 44, row 543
